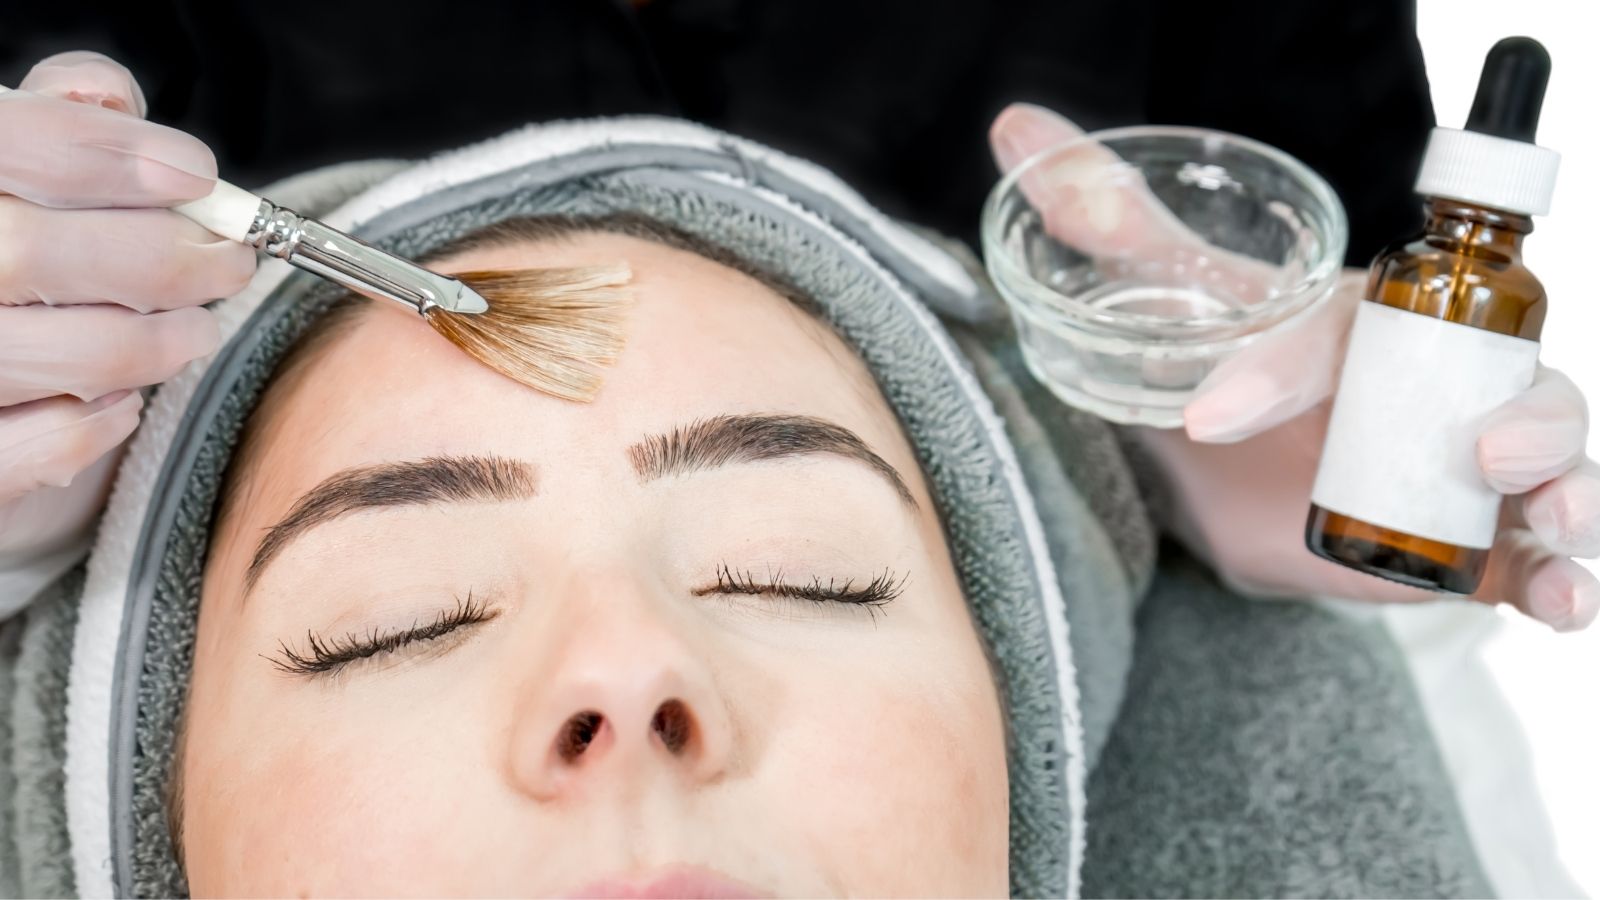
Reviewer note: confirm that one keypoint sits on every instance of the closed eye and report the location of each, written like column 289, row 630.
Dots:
column 872, row 594
column 325, row 655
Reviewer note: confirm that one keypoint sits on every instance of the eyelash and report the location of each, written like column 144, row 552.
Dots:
column 326, row 655
column 872, row 596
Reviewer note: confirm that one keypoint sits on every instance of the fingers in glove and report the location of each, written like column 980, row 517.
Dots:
column 1533, row 577
column 145, row 259
column 48, row 442
column 75, row 155
column 1565, row 511
column 1279, row 376
column 1535, row 436
column 1090, row 199
column 89, row 351
column 84, row 76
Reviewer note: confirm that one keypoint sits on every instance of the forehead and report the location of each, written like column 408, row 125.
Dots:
column 701, row 340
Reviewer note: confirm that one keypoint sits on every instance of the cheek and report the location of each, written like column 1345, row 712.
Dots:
column 268, row 826
column 901, row 788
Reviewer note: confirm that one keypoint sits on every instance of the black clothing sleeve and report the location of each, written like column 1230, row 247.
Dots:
column 896, row 96
column 1341, row 86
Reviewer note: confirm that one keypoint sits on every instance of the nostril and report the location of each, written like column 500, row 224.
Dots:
column 673, row 724
column 577, row 734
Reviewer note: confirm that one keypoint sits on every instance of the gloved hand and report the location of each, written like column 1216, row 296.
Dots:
column 99, row 286
column 1242, row 467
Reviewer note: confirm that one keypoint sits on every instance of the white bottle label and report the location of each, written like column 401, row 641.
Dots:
column 1401, row 450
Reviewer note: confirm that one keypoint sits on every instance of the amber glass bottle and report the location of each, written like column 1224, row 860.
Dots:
column 1448, row 331
column 1465, row 268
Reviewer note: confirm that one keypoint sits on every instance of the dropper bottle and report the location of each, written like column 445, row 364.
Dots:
column 1448, row 331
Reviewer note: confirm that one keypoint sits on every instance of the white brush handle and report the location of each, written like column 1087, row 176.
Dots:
column 227, row 210
column 239, row 215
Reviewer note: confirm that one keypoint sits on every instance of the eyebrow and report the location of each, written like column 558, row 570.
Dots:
column 725, row 440
column 697, row 447
column 423, row 482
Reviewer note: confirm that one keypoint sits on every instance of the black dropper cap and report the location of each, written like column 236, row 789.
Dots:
column 1511, row 90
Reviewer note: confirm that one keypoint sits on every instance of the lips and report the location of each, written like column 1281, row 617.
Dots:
column 684, row 883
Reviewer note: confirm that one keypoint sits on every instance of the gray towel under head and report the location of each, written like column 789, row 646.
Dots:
column 1204, row 723
column 1269, row 749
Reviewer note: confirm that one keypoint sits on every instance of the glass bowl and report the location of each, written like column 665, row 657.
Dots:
column 1134, row 260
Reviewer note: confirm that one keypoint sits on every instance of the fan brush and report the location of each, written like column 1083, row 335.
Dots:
column 550, row 329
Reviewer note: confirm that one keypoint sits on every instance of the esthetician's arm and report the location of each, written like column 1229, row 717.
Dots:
column 100, row 293
column 1241, row 470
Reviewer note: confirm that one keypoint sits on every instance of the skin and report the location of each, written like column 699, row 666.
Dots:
column 832, row 751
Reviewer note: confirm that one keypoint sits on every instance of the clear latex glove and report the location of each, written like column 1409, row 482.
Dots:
column 100, row 286
column 1242, row 468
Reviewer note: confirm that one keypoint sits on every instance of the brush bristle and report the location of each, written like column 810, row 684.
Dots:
column 550, row 329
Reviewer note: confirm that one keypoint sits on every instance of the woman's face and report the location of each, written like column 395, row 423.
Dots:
column 573, row 672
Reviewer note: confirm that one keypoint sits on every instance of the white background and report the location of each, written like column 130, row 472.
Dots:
column 1553, row 681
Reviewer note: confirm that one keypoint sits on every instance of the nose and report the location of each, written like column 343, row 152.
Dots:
column 672, row 726
column 624, row 699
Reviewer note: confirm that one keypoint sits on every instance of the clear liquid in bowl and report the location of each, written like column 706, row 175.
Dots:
column 1129, row 382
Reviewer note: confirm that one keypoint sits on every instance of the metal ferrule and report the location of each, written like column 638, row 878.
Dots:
column 308, row 244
